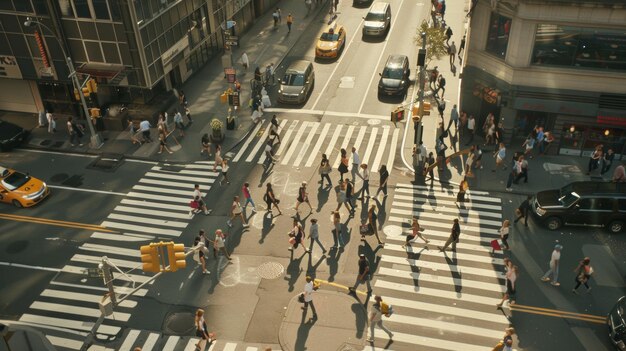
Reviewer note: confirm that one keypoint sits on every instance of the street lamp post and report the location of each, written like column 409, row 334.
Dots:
column 420, row 94
column 95, row 140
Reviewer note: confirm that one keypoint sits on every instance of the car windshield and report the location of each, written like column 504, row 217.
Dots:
column 15, row 180
column 376, row 17
column 293, row 79
column 568, row 200
column 392, row 73
column 329, row 37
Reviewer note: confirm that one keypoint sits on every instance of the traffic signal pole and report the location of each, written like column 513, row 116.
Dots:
column 420, row 94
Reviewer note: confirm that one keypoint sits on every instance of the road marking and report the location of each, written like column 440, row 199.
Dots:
column 230, row 347
column 421, row 204
column 81, row 311
column 86, row 190
column 344, row 145
column 295, row 143
column 259, row 143
column 451, row 295
column 187, row 193
column 137, row 210
column 59, row 153
column 357, row 143
column 441, row 344
column 170, row 345
column 436, row 238
column 151, row 221
column 142, row 228
column 381, row 149
column 444, row 217
column 123, row 290
column 333, row 140
column 281, row 127
column 441, row 325
column 126, row 237
column 69, row 295
column 445, row 280
column 64, row 342
column 245, row 145
column 19, row 265
column 557, row 313
column 156, row 205
column 285, row 139
column 82, row 271
column 129, row 341
column 134, row 253
column 403, row 262
column 318, row 145
column 69, row 323
column 150, row 342
column 307, row 143
column 370, row 145
column 96, row 260
column 426, row 188
column 392, row 150
column 327, row 113
column 192, row 180
column 55, row 222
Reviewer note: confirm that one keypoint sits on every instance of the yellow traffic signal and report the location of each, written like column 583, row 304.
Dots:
column 76, row 94
column 176, row 256
column 426, row 109
column 150, row 258
column 93, row 85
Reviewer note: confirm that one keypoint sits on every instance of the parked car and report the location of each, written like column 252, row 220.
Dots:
column 394, row 80
column 297, row 82
column 331, row 42
column 21, row 189
column 11, row 135
column 377, row 20
column 593, row 204
column 617, row 324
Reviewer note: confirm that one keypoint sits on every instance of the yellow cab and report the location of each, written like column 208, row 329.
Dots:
column 21, row 189
column 331, row 42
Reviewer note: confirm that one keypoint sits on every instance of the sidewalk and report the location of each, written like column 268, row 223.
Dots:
column 203, row 92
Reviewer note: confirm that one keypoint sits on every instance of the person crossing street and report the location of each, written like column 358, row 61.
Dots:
column 363, row 277
column 554, row 267
column 376, row 319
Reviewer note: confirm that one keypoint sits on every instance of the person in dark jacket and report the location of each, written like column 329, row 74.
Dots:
column 454, row 236
column 523, row 210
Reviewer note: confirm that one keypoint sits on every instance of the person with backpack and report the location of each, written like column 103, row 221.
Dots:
column 375, row 319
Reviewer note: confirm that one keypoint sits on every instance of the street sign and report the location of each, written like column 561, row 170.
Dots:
column 232, row 37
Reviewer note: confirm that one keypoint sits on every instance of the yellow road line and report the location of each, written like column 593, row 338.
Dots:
column 321, row 281
column 560, row 314
column 55, row 223
column 558, row 311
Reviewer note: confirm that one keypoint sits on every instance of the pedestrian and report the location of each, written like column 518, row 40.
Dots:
column 337, row 237
column 274, row 126
column 198, row 198
column 583, row 273
column 144, row 128
column 363, row 277
column 463, row 186
column 515, row 171
column 441, row 85
column 162, row 123
column 343, row 165
column 522, row 169
column 336, row 4
column 441, row 154
column 236, row 211
column 504, row 233
column 289, row 22
column 619, row 174
column 202, row 251
column 74, row 132
column 270, row 199
column 448, row 34
column 225, row 172
column 257, row 75
column 442, row 11
column 594, row 159
column 384, row 177
column 297, row 236
column 188, row 115
column 350, row 195
column 376, row 319
column 269, row 153
column 511, row 277
column 308, row 298
column 219, row 245
column 201, row 331
column 499, row 156
column 441, row 108
column 523, row 210
column 416, row 232
column 342, row 196
column 314, row 235
column 325, row 169
column 218, row 157
column 434, row 74
column 206, row 145
column 280, row 15
column 303, row 196
column 163, row 144
column 356, row 161
column 471, row 125
column 452, row 53
column 133, row 130
column 607, row 161
column 553, row 270
column 275, row 17
column 469, row 162
column 462, row 47
column 429, row 167
column 372, row 223
column 52, row 124
column 528, row 146
column 178, row 121
column 245, row 61
column 506, row 341
column 454, row 118
column 365, row 188
column 455, row 233
column 245, row 189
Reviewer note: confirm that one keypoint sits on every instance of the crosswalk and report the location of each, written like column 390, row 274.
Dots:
column 303, row 143
column 157, row 208
column 442, row 302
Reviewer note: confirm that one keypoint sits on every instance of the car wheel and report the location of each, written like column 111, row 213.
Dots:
column 616, row 226
column 554, row 223
column 17, row 204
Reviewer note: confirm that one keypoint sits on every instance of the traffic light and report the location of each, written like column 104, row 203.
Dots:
column 397, row 115
column 426, row 109
column 93, row 85
column 420, row 110
column 150, row 258
column 176, row 256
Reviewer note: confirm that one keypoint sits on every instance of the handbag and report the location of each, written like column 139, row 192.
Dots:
column 343, row 168
column 301, row 298
column 193, row 204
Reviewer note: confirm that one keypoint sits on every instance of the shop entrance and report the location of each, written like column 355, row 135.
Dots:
column 525, row 122
column 582, row 140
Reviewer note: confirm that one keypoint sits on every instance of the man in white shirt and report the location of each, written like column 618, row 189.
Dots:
column 471, row 124
column 308, row 299
column 376, row 319
column 365, row 175
column 356, row 161
column 144, row 128
column 554, row 266
column 197, row 197
column 219, row 245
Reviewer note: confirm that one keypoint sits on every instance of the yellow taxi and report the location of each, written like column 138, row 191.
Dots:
column 20, row 189
column 331, row 42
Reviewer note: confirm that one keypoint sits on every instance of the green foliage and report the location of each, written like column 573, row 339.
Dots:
column 435, row 41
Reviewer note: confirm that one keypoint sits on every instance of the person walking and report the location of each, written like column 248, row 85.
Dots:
column 506, row 341
column 471, row 126
column 356, row 161
column 275, row 17
column 523, row 210
column 363, row 277
column 511, row 277
column 245, row 189
column 52, row 124
column 245, row 61
column 372, row 222
column 297, row 236
column 553, row 270
column 178, row 122
column 269, row 155
column 337, row 238
column 350, row 195
column 504, row 234
column 75, row 132
column 529, row 145
column 365, row 188
column 270, row 199
column 455, row 233
column 314, row 235
column 342, row 197
column 594, row 159
column 325, row 169
column 454, row 118
column 144, row 128
column 384, row 177
column 607, row 161
column 416, row 232
column 429, row 167
column 469, row 162
column 522, row 169
column 500, row 156
column 197, row 195
column 219, row 244
column 225, row 172
column 303, row 196
column 441, row 85
column 218, row 157
column 463, row 186
column 188, row 115
column 452, row 53
column 583, row 273
column 461, row 48
column 343, row 165
column 308, row 298
column 376, row 319
column 201, row 257
column 448, row 33
column 236, row 212
column 289, row 23
column 206, row 145
column 201, row 331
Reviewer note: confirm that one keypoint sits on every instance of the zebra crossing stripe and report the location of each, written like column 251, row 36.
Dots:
column 307, row 143
column 259, row 143
column 392, row 149
column 159, row 205
column 420, row 189
column 188, row 193
column 230, row 346
column 150, row 342
column 137, row 210
column 381, row 148
column 76, row 310
column 344, row 145
column 170, row 345
column 440, row 344
column 333, row 140
column 95, row 260
column 285, row 139
column 123, row 290
column 68, row 323
column 370, row 145
column 437, row 324
column 445, row 217
column 357, row 142
column 130, row 339
column 65, row 342
column 141, row 228
column 451, row 295
column 151, row 221
column 426, row 223
column 405, row 264
column 122, row 237
column 204, row 173
column 282, row 125
column 436, row 238
column 295, row 143
column 190, row 181
column 110, row 249
column 462, row 256
column 70, row 295
column 318, row 145
column 444, row 280
column 422, row 204
column 245, row 145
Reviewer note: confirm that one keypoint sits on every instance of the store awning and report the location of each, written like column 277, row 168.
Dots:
column 100, row 70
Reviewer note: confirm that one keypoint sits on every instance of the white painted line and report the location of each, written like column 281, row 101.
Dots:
column 81, row 311
column 98, row 259
column 206, row 173
column 251, row 348
column 157, row 189
column 230, row 346
column 357, row 142
column 368, row 150
column 65, row 343
column 438, row 293
column 130, row 339
column 169, row 177
column 485, row 195
column 392, row 150
column 141, row 228
column 145, row 196
column 444, row 217
column 245, row 145
column 481, row 233
column 68, row 323
column 451, row 282
column 461, row 256
column 59, row 153
column 113, row 250
column 83, row 272
column 163, row 184
column 170, row 345
column 122, row 237
column 285, row 139
column 318, row 145
column 118, row 289
column 150, row 342
column 151, row 221
column 435, row 197
column 344, row 145
column 191, row 344
column 156, row 205
column 326, row 113
column 333, row 140
column 197, row 165
column 86, row 190
column 441, row 344
column 138, row 210
column 295, row 144
column 69, row 295
column 441, row 325
column 381, row 149
column 281, row 128
column 436, row 238
column 260, row 143
column 444, row 267
column 466, row 209
column 307, row 143
column 40, row 268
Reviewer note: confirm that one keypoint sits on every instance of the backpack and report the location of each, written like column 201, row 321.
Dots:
column 386, row 309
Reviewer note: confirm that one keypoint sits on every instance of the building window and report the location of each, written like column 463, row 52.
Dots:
column 101, row 9
column 66, row 8
column 22, row 6
column 588, row 48
column 498, row 36
column 82, row 8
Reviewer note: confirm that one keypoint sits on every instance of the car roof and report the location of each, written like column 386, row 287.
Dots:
column 378, row 7
column 598, row 188
column 298, row 66
column 395, row 61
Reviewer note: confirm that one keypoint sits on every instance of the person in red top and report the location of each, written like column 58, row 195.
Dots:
column 246, row 195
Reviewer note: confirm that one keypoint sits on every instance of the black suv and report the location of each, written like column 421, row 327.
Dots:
column 617, row 324
column 395, row 77
column 595, row 204
column 11, row 135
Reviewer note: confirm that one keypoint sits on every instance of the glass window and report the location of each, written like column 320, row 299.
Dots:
column 115, row 11
column 169, row 39
column 174, row 15
column 105, row 31
column 152, row 34
column 23, row 6
column 40, row 7
column 11, row 24
column 139, row 11
column 27, row 68
column 94, row 52
column 18, row 45
column 498, row 36
column 82, row 8
column 604, row 204
column 146, row 9
column 5, row 49
column 177, row 33
column 148, row 52
column 585, row 204
column 101, row 9
column 144, row 35
column 71, row 29
column 588, row 48
column 6, row 5
column 621, row 203
column 66, row 8
column 77, row 50
column 155, row 51
column 111, row 54
column 124, row 50
column 88, row 30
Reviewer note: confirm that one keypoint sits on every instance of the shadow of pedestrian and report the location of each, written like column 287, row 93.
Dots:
column 454, row 272
column 268, row 224
column 333, row 262
column 303, row 333
column 293, row 271
column 311, row 269
column 322, row 196
column 360, row 318
column 382, row 212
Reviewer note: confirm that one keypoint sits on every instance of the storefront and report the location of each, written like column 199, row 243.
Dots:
column 481, row 94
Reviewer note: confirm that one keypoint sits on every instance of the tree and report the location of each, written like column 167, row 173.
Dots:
column 435, row 41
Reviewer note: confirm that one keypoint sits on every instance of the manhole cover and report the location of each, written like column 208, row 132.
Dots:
column 392, row 230
column 270, row 270
column 179, row 323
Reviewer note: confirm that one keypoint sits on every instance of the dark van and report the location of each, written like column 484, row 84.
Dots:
column 593, row 204
column 617, row 325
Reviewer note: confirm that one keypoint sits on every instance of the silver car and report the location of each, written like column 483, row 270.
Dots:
column 297, row 83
